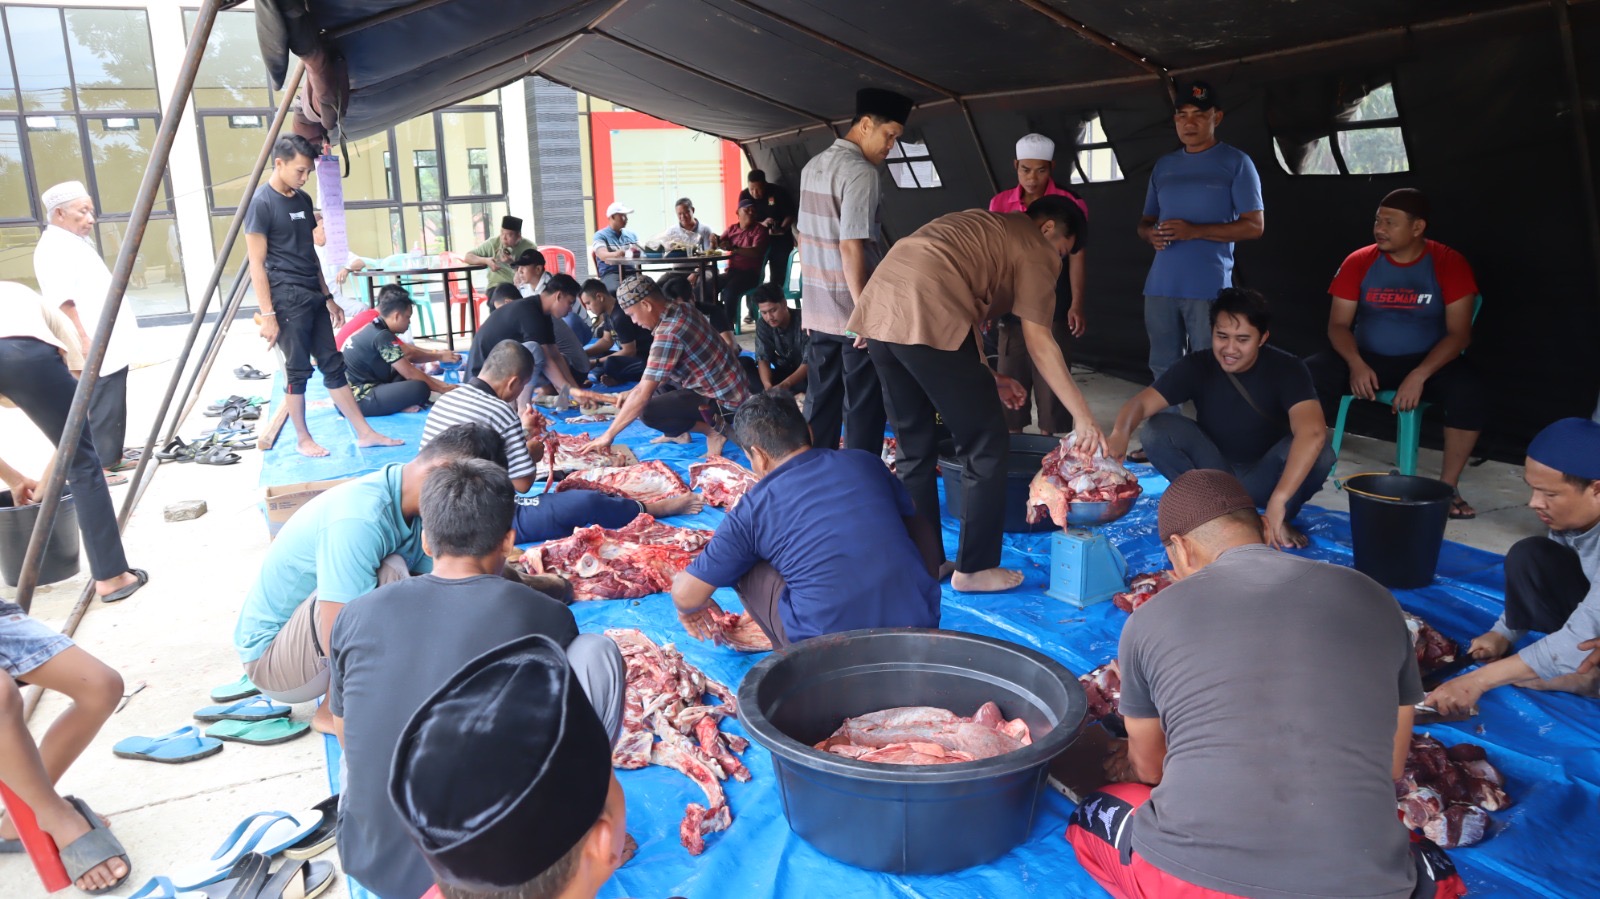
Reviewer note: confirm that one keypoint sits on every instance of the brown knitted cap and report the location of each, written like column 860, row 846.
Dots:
column 1197, row 497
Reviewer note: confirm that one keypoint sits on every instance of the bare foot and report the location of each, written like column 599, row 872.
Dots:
column 681, row 438
column 373, row 438
column 714, row 444
column 682, row 504
column 946, row 569
column 412, row 409
column 308, row 447
column 322, row 720
column 65, row 825
column 1297, row 537
column 993, row 580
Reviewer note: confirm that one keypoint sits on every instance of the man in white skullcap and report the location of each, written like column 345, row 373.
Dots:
column 73, row 276
column 1034, row 164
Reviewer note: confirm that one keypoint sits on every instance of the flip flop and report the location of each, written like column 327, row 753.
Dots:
column 250, row 373
column 121, row 593
column 243, row 881
column 174, row 451
column 1457, row 504
column 115, row 480
column 298, row 879
column 9, row 847
column 133, row 455
column 221, row 406
column 258, row 708
column 267, row 833
column 322, row 839
column 259, row 733
column 94, row 848
column 218, row 454
column 162, row 888
column 242, row 688
column 182, row 745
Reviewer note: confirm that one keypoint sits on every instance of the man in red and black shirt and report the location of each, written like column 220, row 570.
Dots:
column 686, row 351
column 1401, row 318
column 747, row 241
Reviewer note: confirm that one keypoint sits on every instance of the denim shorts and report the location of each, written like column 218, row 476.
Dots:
column 25, row 644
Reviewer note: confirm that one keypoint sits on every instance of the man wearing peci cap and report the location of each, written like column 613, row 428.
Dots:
column 1203, row 197
column 538, row 810
column 1401, row 319
column 1552, row 582
column 747, row 242
column 1034, row 164
column 73, row 277
column 500, row 252
column 776, row 212
column 841, row 241
column 612, row 243
column 1248, row 646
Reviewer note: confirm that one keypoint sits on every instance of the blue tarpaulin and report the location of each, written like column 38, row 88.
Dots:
column 1546, row 744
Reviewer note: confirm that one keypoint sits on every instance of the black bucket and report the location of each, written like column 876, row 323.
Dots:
column 908, row 819
column 1397, row 527
column 60, row 559
column 1027, row 455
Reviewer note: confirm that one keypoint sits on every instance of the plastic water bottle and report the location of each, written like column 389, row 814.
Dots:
column 414, row 259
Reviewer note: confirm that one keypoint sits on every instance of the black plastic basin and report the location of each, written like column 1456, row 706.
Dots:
column 60, row 558
column 904, row 818
column 1027, row 454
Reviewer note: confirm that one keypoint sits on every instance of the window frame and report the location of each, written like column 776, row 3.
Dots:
column 906, row 160
column 1396, row 122
column 1082, row 177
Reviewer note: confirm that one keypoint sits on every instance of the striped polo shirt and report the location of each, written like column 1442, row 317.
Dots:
column 475, row 403
column 839, row 192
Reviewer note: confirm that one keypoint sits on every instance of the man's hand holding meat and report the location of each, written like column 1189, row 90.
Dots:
column 701, row 622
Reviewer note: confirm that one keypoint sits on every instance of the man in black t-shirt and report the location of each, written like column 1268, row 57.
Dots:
column 383, row 381
column 298, row 312
column 530, row 321
column 776, row 211
column 396, row 646
column 1257, row 416
column 623, row 346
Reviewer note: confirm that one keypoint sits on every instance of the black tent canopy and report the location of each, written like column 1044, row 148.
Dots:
column 1492, row 98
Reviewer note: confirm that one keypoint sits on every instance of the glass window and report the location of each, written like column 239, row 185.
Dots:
column 230, row 154
column 56, row 151
column 1366, row 139
column 112, row 64
column 1377, row 104
column 41, row 57
column 14, row 200
column 473, row 223
column 231, row 74
column 121, row 151
column 1095, row 160
column 1374, row 151
column 156, row 286
column 219, row 230
column 369, row 169
column 914, row 169
column 472, row 153
column 373, row 234
column 415, row 144
column 8, row 86
column 16, row 254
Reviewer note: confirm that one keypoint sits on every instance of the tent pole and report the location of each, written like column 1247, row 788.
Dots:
column 289, row 89
column 1580, row 132
column 138, row 220
column 983, row 154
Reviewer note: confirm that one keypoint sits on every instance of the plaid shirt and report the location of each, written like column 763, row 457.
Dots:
column 690, row 354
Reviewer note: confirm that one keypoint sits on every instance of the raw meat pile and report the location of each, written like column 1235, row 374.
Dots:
column 1068, row 475
column 1434, row 650
column 562, row 452
column 666, row 722
column 646, row 482
column 636, row 560
column 1448, row 791
column 890, row 446
column 921, row 735
column 722, row 481
column 741, row 633
column 1103, row 688
column 1141, row 588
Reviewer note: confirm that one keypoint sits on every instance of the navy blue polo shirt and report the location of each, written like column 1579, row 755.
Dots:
column 832, row 523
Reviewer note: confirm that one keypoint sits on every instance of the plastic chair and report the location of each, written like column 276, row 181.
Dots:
column 792, row 282
column 566, row 262
column 1408, row 429
column 457, row 293
column 746, row 295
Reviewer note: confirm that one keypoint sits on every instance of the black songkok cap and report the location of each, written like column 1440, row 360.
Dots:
column 511, row 223
column 504, row 769
column 883, row 104
column 1409, row 200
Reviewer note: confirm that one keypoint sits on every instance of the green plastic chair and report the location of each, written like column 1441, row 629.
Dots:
column 737, row 329
column 1408, row 436
column 791, row 278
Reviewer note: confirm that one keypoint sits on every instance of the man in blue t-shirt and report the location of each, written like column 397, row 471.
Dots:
column 826, row 541
column 612, row 243
column 1202, row 199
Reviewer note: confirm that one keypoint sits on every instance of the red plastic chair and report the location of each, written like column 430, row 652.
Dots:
column 458, row 293
column 566, row 262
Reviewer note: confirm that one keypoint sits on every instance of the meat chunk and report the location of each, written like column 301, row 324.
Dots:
column 646, row 482
column 1142, row 588
column 636, row 560
column 564, row 452
column 923, row 735
column 740, row 632
column 1458, row 825
column 722, row 481
column 1434, row 650
column 1068, row 475
column 1446, row 792
column 1103, row 688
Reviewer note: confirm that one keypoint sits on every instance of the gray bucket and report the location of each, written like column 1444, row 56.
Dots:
column 60, row 559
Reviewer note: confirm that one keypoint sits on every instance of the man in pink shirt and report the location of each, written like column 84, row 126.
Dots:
column 1035, row 163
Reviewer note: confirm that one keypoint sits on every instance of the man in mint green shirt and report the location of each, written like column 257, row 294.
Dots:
column 343, row 544
column 500, row 252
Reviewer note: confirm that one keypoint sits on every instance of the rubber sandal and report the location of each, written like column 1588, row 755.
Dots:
column 221, row 406
column 1139, row 456
column 121, row 593
column 266, row 833
column 259, row 733
column 242, row 688
column 258, row 708
column 298, row 879
column 218, row 454
column 94, row 848
column 182, row 745
column 132, row 455
column 1457, row 503
column 162, row 888
column 249, row 373
column 115, row 480
column 9, row 847
column 243, row 881
column 322, row 839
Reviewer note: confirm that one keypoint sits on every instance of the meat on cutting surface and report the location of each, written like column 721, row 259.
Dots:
column 923, row 735
column 1068, row 475
column 666, row 722
column 1434, row 650
column 563, row 452
column 1446, row 792
column 646, row 482
column 740, row 632
column 722, row 481
column 1103, row 688
column 637, row 559
column 1142, row 588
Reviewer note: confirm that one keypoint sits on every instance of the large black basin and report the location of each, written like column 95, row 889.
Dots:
column 1027, row 454
column 901, row 818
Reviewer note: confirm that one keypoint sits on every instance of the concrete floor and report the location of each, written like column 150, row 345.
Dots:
column 174, row 636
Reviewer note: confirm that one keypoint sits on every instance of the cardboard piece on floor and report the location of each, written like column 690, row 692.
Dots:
column 284, row 500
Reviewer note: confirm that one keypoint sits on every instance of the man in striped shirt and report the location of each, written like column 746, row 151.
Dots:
column 486, row 400
column 687, row 351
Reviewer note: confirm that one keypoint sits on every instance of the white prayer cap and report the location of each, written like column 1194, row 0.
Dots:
column 1036, row 146
column 65, row 192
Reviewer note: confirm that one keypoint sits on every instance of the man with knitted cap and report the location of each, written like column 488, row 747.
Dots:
column 1034, row 164
column 503, row 778
column 1401, row 318
column 1252, row 645
column 1552, row 582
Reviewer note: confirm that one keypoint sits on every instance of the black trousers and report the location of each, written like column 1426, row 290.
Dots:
column 1456, row 387
column 919, row 381
column 1015, row 362
column 108, row 416
column 676, row 412
column 1544, row 584
column 620, row 369
column 778, row 250
column 33, row 376
column 387, row 399
column 842, row 391
column 305, row 333
column 734, row 285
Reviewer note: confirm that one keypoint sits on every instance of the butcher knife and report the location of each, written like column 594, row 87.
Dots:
column 1427, row 714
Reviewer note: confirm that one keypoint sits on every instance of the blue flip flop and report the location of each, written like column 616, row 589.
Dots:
column 182, row 745
column 235, row 691
column 256, row 708
column 273, row 832
column 162, row 888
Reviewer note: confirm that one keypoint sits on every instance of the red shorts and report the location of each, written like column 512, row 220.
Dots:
column 1100, row 835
